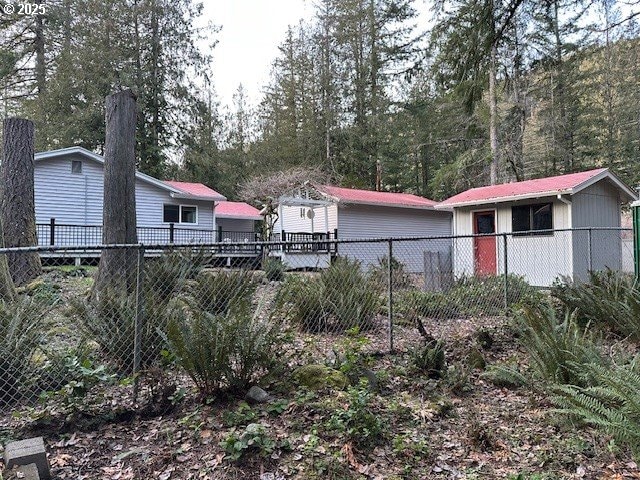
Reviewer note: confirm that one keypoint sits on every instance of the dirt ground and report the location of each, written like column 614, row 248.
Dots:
column 457, row 427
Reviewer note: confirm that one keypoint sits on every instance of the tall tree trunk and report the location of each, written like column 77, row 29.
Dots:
column 493, row 116
column 118, row 266
column 7, row 288
column 17, row 199
column 40, row 61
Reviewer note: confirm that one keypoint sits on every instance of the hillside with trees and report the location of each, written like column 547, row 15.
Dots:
column 491, row 92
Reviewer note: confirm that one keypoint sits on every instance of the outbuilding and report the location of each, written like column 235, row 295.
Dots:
column 319, row 212
column 540, row 229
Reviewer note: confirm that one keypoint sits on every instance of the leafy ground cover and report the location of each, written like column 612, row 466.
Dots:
column 403, row 423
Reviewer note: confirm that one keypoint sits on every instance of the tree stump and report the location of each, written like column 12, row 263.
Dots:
column 17, row 202
column 117, row 268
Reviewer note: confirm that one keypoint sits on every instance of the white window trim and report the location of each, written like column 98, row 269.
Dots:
column 180, row 222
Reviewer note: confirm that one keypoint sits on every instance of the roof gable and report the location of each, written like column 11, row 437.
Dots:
column 569, row 184
column 173, row 191
column 239, row 210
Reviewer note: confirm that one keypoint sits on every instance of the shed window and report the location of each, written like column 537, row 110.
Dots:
column 532, row 218
column 76, row 166
column 180, row 214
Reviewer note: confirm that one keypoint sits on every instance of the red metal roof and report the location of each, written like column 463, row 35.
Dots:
column 528, row 188
column 369, row 197
column 195, row 189
column 237, row 210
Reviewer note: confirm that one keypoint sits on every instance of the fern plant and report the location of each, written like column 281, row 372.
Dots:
column 219, row 292
column 611, row 404
column 609, row 298
column 558, row 348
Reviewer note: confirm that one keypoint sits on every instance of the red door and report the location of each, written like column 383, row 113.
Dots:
column 484, row 248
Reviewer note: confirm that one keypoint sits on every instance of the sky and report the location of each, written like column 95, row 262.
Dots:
column 248, row 41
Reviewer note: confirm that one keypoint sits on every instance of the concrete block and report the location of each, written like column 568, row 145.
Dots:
column 28, row 451
column 28, row 472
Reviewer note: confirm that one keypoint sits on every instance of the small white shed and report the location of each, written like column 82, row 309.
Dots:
column 328, row 212
column 563, row 225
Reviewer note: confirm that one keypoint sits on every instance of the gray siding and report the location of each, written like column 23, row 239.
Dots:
column 361, row 222
column 596, row 206
column 76, row 199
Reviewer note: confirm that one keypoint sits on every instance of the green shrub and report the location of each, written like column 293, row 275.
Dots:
column 609, row 298
column 430, row 359
column 21, row 333
column 273, row 269
column 110, row 320
column 165, row 276
column 611, row 403
column 219, row 292
column 342, row 297
column 559, row 350
column 361, row 424
column 225, row 352
column 400, row 279
column 470, row 297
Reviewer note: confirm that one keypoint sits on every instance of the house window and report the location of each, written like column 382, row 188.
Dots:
column 532, row 218
column 180, row 214
column 76, row 166
column 188, row 214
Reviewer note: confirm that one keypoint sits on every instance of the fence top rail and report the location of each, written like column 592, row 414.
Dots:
column 285, row 243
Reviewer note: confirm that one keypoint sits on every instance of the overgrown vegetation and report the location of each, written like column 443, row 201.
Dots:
column 559, row 349
column 110, row 320
column 219, row 292
column 21, row 333
column 609, row 299
column 470, row 297
column 340, row 298
column 225, row 351
column 609, row 400
column 273, row 269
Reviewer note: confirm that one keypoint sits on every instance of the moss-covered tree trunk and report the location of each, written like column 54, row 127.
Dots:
column 7, row 289
column 118, row 266
column 17, row 204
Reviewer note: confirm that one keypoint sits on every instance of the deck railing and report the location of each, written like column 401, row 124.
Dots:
column 69, row 235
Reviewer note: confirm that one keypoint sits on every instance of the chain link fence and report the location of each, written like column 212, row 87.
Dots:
column 106, row 316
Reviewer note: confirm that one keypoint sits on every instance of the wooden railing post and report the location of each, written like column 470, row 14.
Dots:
column 52, row 231
column 219, row 239
column 171, row 232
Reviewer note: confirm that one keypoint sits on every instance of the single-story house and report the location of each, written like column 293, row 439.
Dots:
column 68, row 186
column 237, row 222
column 328, row 212
column 553, row 226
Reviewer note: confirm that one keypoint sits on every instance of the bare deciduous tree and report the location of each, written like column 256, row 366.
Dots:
column 264, row 190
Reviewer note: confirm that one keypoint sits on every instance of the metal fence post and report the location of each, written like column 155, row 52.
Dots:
column 506, row 273
column 139, row 321
column 390, row 294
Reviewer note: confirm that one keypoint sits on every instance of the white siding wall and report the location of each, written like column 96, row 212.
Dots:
column 76, row 199
column 235, row 224
column 539, row 259
column 596, row 206
column 361, row 222
column 294, row 219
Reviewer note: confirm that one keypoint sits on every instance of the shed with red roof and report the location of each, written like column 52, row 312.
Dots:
column 328, row 211
column 560, row 225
